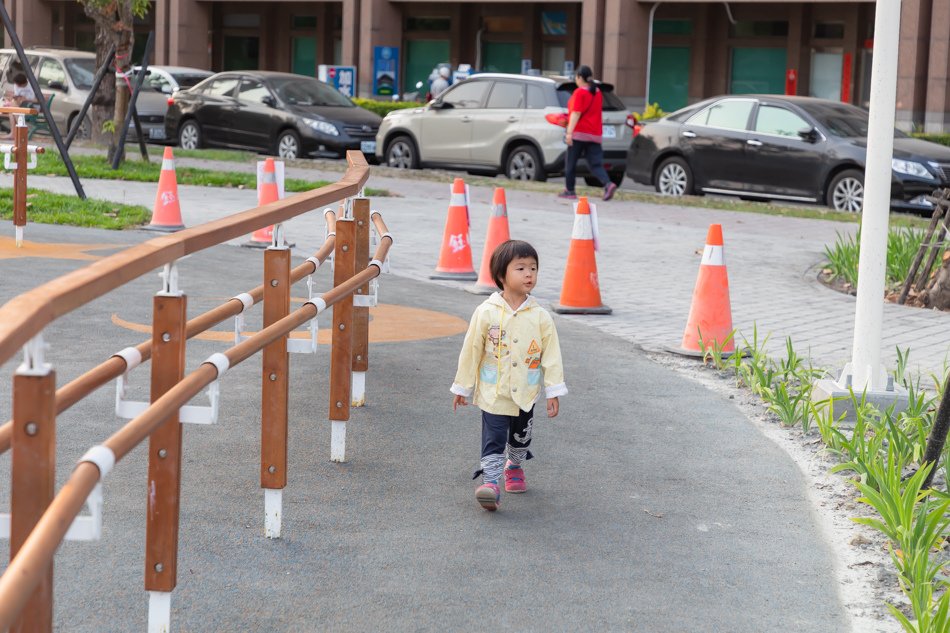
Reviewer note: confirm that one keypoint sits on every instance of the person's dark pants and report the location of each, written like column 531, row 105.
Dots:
column 595, row 160
column 504, row 436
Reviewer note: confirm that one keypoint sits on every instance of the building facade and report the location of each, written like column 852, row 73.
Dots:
column 673, row 52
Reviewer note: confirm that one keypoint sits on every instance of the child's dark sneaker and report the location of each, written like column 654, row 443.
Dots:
column 609, row 191
column 567, row 195
column 514, row 478
column 489, row 496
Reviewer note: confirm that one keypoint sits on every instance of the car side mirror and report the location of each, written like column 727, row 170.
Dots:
column 809, row 134
column 58, row 85
column 441, row 105
column 269, row 101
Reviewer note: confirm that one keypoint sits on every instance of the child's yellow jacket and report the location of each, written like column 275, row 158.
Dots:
column 506, row 354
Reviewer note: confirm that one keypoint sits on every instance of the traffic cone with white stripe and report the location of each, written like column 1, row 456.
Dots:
column 498, row 233
column 710, row 316
column 267, row 192
column 166, row 214
column 455, row 259
column 580, row 292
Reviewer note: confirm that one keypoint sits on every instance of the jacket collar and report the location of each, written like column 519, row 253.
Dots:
column 498, row 300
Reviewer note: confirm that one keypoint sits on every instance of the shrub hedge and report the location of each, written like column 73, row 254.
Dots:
column 943, row 139
column 382, row 108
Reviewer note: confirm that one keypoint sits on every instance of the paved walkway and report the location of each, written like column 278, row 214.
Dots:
column 647, row 264
column 641, row 516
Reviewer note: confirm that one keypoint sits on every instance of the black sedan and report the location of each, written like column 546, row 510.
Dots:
column 782, row 148
column 286, row 115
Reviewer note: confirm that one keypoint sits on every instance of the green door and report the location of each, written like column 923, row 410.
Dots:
column 421, row 57
column 669, row 76
column 304, row 56
column 758, row 71
column 501, row 57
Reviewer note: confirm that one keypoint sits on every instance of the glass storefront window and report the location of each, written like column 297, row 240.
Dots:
column 826, row 75
column 554, row 56
column 672, row 27
column 428, row 23
column 829, row 30
column 759, row 28
column 242, row 21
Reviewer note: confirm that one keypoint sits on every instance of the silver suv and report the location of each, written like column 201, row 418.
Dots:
column 67, row 74
column 500, row 123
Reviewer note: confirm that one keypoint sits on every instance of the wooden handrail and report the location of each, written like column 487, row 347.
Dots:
column 35, row 555
column 81, row 386
column 25, row 316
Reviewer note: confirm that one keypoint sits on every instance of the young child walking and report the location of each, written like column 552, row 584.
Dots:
column 510, row 347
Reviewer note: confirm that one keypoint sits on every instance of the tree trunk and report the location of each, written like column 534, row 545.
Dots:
column 938, row 294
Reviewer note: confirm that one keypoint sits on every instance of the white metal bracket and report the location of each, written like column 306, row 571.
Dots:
column 277, row 241
column 34, row 358
column 169, row 277
column 8, row 163
column 188, row 414
column 84, row 528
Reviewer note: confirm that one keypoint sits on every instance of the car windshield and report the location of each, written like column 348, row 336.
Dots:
column 308, row 92
column 842, row 120
column 82, row 71
column 187, row 80
column 612, row 102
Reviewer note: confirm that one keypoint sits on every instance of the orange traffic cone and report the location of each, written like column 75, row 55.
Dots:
column 266, row 193
column 166, row 216
column 497, row 233
column 580, row 292
column 710, row 315
column 455, row 260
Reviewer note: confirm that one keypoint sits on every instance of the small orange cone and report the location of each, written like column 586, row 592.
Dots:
column 266, row 193
column 710, row 315
column 166, row 216
column 455, row 259
column 497, row 233
column 580, row 292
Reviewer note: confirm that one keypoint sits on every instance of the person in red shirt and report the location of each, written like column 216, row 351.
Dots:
column 584, row 134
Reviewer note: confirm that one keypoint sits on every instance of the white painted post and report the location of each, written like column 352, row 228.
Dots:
column 358, row 398
column 869, row 311
column 159, row 611
column 338, row 441
column 273, row 509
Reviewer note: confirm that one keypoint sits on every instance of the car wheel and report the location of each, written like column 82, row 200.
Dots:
column 401, row 153
column 846, row 191
column 674, row 177
column 524, row 164
column 288, row 145
column 85, row 128
column 189, row 135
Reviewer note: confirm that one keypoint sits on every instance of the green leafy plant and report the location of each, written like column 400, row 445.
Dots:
column 714, row 351
column 650, row 112
column 789, row 407
column 382, row 108
column 792, row 362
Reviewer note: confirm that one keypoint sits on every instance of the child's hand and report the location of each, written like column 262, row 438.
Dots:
column 552, row 407
column 459, row 401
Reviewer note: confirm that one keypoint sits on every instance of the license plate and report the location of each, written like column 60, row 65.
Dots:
column 610, row 131
column 368, row 147
column 156, row 133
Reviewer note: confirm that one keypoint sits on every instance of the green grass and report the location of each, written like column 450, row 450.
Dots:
column 98, row 168
column 902, row 245
column 52, row 208
column 227, row 155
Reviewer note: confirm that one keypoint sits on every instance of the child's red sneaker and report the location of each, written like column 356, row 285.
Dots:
column 514, row 478
column 489, row 496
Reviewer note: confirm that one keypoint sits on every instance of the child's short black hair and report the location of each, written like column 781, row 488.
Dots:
column 19, row 79
column 505, row 254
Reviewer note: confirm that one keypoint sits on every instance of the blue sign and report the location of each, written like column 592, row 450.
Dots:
column 385, row 70
column 343, row 78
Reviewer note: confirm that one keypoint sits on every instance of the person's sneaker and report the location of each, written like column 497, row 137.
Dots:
column 514, row 478
column 489, row 496
column 567, row 195
column 609, row 191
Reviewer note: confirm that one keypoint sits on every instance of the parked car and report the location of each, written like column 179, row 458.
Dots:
column 287, row 115
column 780, row 147
column 158, row 84
column 499, row 123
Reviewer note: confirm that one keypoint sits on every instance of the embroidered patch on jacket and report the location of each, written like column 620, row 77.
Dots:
column 534, row 348
column 496, row 336
column 533, row 363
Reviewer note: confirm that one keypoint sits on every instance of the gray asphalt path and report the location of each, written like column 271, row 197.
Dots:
column 653, row 504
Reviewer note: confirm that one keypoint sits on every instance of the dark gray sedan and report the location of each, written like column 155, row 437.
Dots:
column 783, row 148
column 291, row 116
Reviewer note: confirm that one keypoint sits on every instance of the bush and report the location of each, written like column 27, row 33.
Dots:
column 943, row 139
column 382, row 108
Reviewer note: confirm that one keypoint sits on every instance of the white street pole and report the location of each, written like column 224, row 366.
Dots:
column 869, row 312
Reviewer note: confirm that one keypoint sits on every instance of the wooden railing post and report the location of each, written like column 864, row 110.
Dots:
column 20, row 134
column 275, row 386
column 361, row 313
column 164, row 455
column 341, row 356
column 34, row 474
